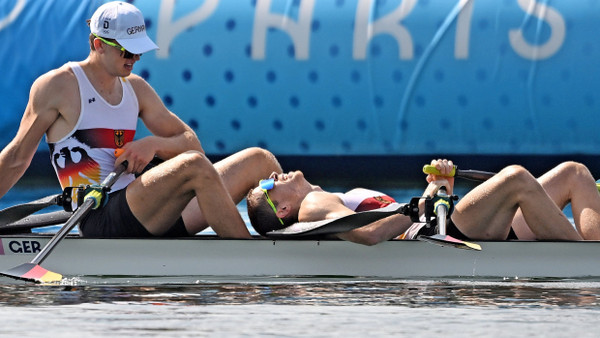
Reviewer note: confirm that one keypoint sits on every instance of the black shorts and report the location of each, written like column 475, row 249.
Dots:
column 452, row 231
column 115, row 219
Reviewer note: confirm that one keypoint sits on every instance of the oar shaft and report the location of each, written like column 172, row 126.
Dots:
column 20, row 211
column 36, row 221
column 475, row 175
column 78, row 215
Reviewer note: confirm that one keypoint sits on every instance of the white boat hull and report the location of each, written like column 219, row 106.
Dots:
column 210, row 256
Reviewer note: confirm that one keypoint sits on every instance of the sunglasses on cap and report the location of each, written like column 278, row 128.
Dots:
column 266, row 185
column 124, row 52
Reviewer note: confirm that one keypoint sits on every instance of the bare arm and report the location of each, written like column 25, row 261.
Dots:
column 394, row 226
column 41, row 112
column 323, row 205
column 379, row 231
column 170, row 135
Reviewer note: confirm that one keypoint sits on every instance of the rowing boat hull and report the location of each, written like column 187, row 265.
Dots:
column 210, row 256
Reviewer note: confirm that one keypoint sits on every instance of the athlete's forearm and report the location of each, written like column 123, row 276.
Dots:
column 168, row 147
column 379, row 231
column 12, row 166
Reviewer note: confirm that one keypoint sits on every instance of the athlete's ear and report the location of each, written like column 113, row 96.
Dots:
column 283, row 209
column 98, row 45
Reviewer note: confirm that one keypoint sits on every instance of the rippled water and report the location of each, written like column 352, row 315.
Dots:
column 189, row 306
column 305, row 308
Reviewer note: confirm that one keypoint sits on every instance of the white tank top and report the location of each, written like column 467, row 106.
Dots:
column 86, row 154
column 361, row 199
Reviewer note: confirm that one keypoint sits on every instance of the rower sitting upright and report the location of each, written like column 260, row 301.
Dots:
column 87, row 109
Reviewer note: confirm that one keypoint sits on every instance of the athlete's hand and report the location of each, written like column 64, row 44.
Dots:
column 445, row 167
column 436, row 185
column 137, row 154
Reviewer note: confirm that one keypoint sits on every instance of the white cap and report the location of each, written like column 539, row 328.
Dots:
column 125, row 23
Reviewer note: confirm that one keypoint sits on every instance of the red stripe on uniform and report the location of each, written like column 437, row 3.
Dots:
column 102, row 137
column 376, row 202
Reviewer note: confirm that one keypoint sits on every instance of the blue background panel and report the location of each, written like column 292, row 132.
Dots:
column 485, row 77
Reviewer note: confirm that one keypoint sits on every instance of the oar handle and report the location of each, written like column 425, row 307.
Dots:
column 475, row 175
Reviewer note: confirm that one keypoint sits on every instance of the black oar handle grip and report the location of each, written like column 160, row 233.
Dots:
column 122, row 167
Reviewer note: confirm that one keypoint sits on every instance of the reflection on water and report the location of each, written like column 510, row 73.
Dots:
column 406, row 293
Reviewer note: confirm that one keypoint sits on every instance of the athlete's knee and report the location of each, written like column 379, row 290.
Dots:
column 519, row 184
column 262, row 158
column 261, row 154
column 193, row 164
column 517, row 176
column 192, row 158
column 574, row 173
column 254, row 153
column 573, row 169
column 515, row 173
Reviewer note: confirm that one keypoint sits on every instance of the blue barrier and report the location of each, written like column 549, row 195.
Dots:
column 344, row 77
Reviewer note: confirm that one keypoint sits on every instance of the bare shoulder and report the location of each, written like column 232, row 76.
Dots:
column 318, row 197
column 319, row 205
column 147, row 97
column 138, row 83
column 54, row 98
column 54, row 85
column 135, row 79
column 320, row 200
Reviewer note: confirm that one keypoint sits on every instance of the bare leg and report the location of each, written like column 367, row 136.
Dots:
column 487, row 211
column 570, row 182
column 240, row 172
column 158, row 197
